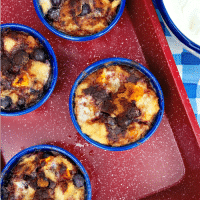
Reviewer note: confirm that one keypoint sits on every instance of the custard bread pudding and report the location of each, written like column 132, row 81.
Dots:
column 115, row 105
column 46, row 176
column 25, row 70
column 79, row 17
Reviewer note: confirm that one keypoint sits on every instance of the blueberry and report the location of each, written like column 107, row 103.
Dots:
column 52, row 184
column 42, row 193
column 134, row 112
column 33, row 91
column 85, row 9
column 5, row 192
column 47, row 154
column 25, row 185
column 26, row 177
column 56, row 2
column 111, row 121
column 113, row 136
column 22, row 102
column 16, row 69
column 6, row 84
column 78, row 180
column 123, row 121
column 6, row 102
column 133, row 78
column 39, row 55
column 20, row 57
column 108, row 106
column 53, row 14
column 5, row 65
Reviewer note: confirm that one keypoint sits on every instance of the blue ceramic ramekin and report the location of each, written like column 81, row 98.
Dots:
column 53, row 61
column 188, row 44
column 76, row 38
column 105, row 63
column 14, row 160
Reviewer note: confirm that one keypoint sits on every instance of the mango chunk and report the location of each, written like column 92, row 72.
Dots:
column 42, row 183
column 67, row 175
column 21, row 81
column 133, row 92
column 31, row 42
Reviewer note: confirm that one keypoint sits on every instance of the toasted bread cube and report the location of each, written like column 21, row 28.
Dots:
column 40, row 71
column 9, row 44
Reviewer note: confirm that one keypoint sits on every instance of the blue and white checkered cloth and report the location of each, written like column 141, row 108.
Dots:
column 188, row 66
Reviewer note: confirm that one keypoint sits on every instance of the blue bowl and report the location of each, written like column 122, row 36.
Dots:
column 14, row 160
column 53, row 61
column 105, row 63
column 77, row 38
column 190, row 45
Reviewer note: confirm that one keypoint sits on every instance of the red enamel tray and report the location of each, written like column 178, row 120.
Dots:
column 167, row 166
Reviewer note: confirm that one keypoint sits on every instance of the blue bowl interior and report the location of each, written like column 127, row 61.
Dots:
column 105, row 63
column 82, row 38
column 9, row 166
column 185, row 40
column 52, row 57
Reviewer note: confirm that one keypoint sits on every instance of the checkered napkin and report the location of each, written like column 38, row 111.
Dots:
column 188, row 66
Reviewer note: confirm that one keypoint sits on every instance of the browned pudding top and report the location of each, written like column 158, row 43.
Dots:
column 25, row 70
column 44, row 176
column 80, row 17
column 116, row 105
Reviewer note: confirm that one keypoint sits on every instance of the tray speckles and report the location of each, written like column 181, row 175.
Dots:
column 167, row 166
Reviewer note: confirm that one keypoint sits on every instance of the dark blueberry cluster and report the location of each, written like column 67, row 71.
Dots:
column 85, row 9
column 78, row 180
column 37, row 180
column 12, row 65
column 115, row 125
column 54, row 12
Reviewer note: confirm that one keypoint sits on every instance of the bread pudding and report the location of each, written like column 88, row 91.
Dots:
column 115, row 105
column 79, row 17
column 44, row 175
column 26, row 72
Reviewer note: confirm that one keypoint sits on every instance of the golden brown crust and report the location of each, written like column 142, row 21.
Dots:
column 24, row 75
column 44, row 175
column 72, row 21
column 115, row 105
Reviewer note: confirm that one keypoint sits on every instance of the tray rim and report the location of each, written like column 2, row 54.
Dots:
column 173, row 68
column 174, row 72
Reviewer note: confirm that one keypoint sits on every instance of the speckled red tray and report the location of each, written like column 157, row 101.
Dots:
column 167, row 166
